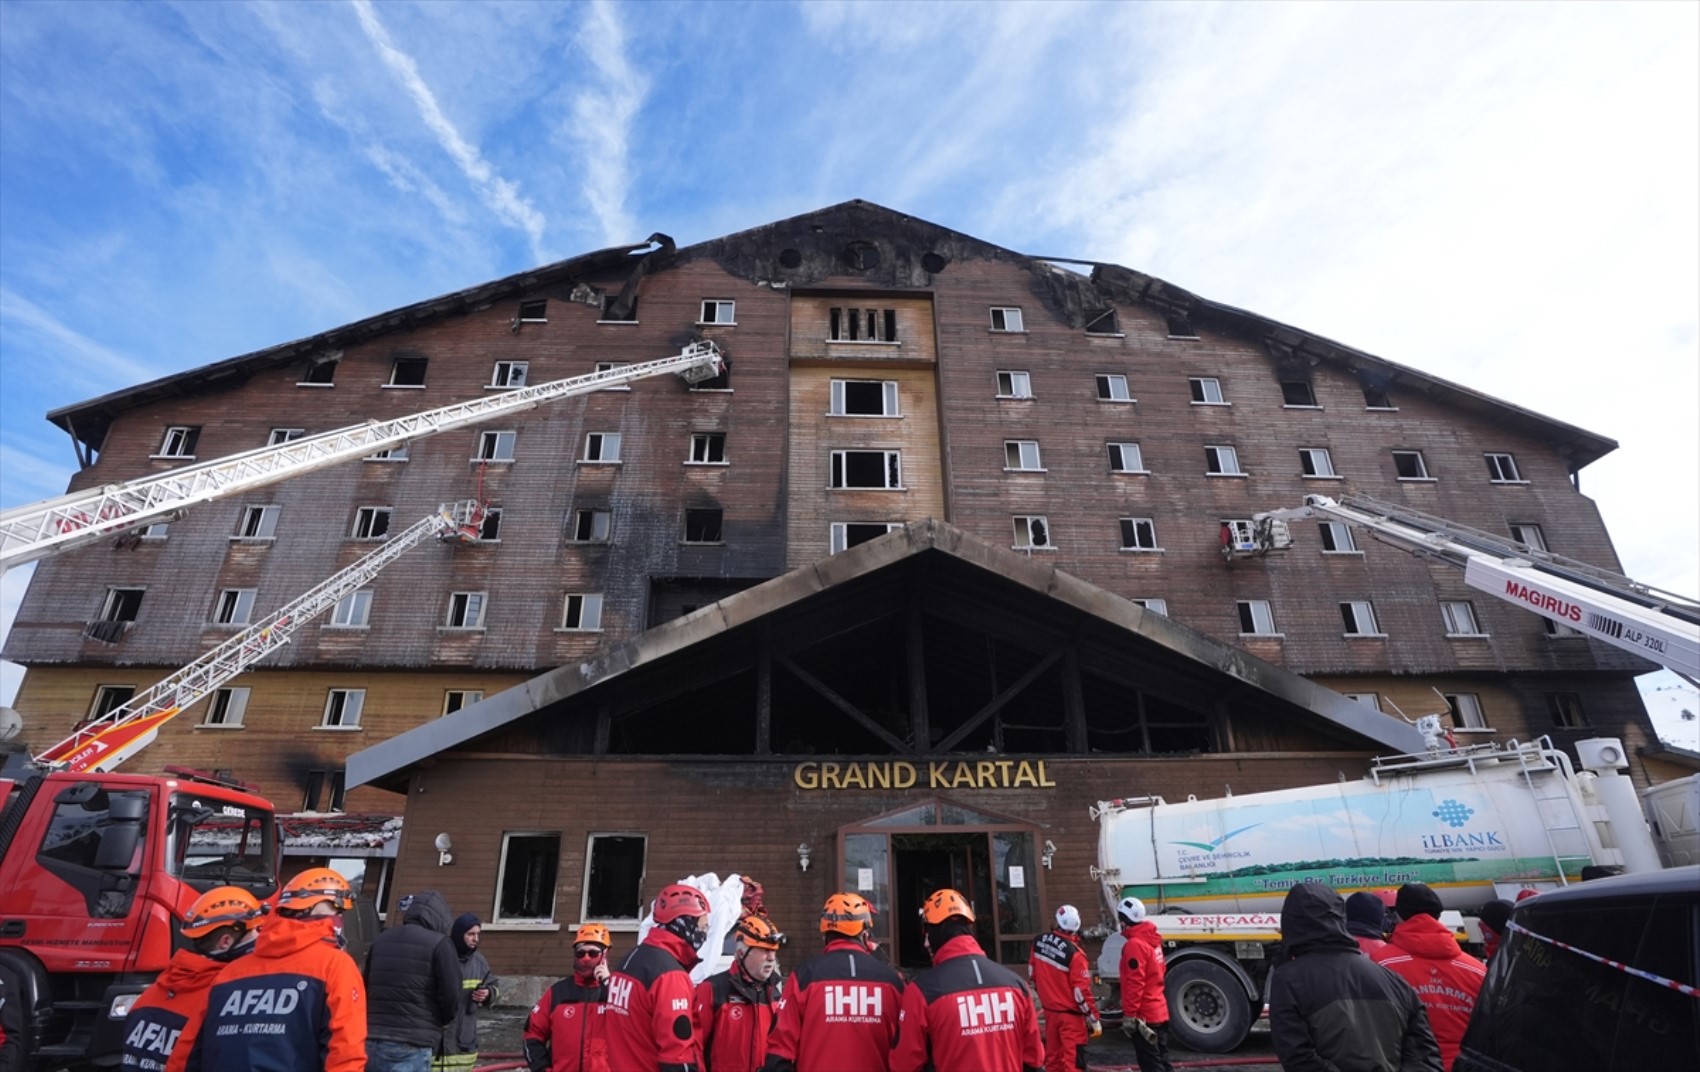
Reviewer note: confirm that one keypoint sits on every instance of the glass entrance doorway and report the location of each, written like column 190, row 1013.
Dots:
column 898, row 859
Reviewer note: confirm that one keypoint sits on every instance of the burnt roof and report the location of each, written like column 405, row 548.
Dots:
column 808, row 250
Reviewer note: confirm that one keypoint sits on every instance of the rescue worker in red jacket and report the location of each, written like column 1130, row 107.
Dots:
column 966, row 1013
column 566, row 1031
column 1145, row 1008
column 840, row 1007
column 219, row 928
column 296, row 1003
column 1064, row 981
column 734, row 1008
column 650, row 992
column 1423, row 952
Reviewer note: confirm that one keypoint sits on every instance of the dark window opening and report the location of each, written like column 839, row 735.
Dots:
column 1376, row 398
column 613, row 886
column 491, row 527
column 862, row 532
column 865, row 469
column 1566, row 710
column 122, row 605
column 529, row 863
column 321, row 372
column 408, row 372
column 703, row 526
column 109, row 698
column 313, row 789
column 1297, row 393
column 610, row 312
column 591, row 526
column 534, row 312
column 708, row 448
column 1103, row 323
column 864, row 398
column 1409, row 465
column 339, row 789
column 855, row 325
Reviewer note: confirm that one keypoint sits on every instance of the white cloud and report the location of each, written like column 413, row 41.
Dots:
column 26, row 476
column 601, row 123
column 76, row 355
column 500, row 195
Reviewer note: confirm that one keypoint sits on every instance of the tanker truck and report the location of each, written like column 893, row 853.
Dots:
column 1475, row 823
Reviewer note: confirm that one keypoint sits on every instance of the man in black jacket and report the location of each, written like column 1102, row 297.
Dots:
column 1331, row 1007
column 412, row 986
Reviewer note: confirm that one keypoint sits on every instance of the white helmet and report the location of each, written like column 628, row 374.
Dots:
column 1068, row 918
column 1131, row 909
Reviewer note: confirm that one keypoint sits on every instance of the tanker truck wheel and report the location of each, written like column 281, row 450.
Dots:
column 1208, row 1008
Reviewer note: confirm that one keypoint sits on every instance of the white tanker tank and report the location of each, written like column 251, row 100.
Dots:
column 1474, row 824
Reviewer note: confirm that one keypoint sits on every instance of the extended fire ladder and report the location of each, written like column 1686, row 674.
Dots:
column 45, row 528
column 107, row 741
column 1656, row 625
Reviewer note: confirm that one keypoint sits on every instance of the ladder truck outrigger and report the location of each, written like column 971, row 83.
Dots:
column 97, row 867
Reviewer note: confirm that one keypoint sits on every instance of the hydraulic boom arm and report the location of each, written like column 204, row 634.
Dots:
column 45, row 528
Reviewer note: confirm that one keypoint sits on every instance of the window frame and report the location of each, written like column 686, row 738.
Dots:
column 1136, row 527
column 1025, row 379
column 342, row 723
column 610, row 366
column 838, row 398
column 232, row 698
column 468, row 697
column 1259, row 612
column 603, row 442
column 1359, row 619
column 1117, row 452
column 1567, row 711
column 114, row 601
column 1002, row 320
column 1309, row 392
column 1017, row 450
column 240, row 611
column 494, row 437
column 1308, row 457
column 396, row 454
column 370, row 518
column 1214, row 457
column 535, row 306
column 1466, row 712
column 845, row 324
column 1500, row 462
column 580, row 514
column 618, row 922
column 277, row 437
column 1022, row 527
column 423, row 364
column 720, row 526
column 505, row 382
column 360, row 603
column 497, row 918
column 709, row 442
column 1368, row 699
column 187, row 439
column 467, row 604
column 716, row 306
column 838, row 534
column 590, row 606
column 1153, row 604
column 1520, row 529
column 1370, row 404
column 98, row 709
column 1332, row 530
column 891, row 468
column 1205, row 386
column 1450, row 618
column 264, row 524
column 1110, row 381
column 1423, row 475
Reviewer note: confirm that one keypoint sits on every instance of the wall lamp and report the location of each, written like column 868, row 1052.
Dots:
column 444, row 857
column 803, row 854
column 1050, row 851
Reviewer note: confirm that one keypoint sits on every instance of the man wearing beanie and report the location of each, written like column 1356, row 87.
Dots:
column 459, row 1050
column 1495, row 917
column 1364, row 916
column 1425, row 954
column 1145, row 1008
column 1330, row 1007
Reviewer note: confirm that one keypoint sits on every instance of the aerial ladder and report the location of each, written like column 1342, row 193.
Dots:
column 105, row 742
column 31, row 532
column 1656, row 625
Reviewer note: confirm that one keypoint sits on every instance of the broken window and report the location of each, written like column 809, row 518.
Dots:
column 496, row 446
column 525, row 881
column 847, row 534
column 1180, row 326
column 1359, row 618
column 1032, row 531
column 1015, row 385
column 1409, row 465
column 864, row 398
column 279, row 436
column 490, row 526
column 352, row 611
column 408, row 372
column 1566, row 709
column 235, row 606
column 122, row 604
column 703, row 526
column 1206, row 391
column 1113, row 388
column 1256, row 619
column 613, row 876
column 1222, row 461
column 227, row 707
column 1298, row 393
column 715, row 311
column 708, row 448
column 609, row 313
column 1502, row 469
column 1315, row 462
column 343, row 708
column 509, row 373
column 1125, row 458
column 582, row 611
column 179, row 441
column 1377, row 398
column 1021, row 454
column 466, row 610
column 535, row 311
column 866, row 469
column 1460, row 618
column 1337, row 538
column 1006, row 318
column 321, row 373
column 109, row 698
column 602, row 447
column 257, row 523
column 371, row 523
column 845, row 324
column 591, row 525
column 1103, row 323
column 1139, row 534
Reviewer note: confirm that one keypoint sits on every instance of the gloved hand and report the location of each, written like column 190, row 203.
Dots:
column 1094, row 1027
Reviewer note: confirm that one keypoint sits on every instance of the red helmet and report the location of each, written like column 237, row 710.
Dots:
column 679, row 900
column 944, row 904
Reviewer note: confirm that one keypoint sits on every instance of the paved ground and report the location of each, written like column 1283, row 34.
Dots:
column 500, row 1031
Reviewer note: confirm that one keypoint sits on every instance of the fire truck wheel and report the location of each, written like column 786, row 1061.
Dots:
column 1208, row 1008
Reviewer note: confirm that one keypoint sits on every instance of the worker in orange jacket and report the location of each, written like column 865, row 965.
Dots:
column 219, row 928
column 297, row 1003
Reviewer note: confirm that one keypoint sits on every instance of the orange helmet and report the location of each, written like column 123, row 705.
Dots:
column 223, row 906
column 848, row 914
column 594, row 932
column 679, row 900
column 944, row 904
column 758, row 932
column 314, row 885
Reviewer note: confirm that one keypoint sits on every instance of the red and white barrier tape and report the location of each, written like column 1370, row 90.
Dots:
column 1672, row 984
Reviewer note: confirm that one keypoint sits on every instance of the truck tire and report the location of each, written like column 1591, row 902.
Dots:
column 1208, row 1008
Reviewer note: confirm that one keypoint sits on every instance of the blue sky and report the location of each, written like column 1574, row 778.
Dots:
column 1502, row 195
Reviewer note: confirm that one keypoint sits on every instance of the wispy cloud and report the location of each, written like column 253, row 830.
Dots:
column 77, row 355
column 28, row 477
column 602, row 119
column 500, row 195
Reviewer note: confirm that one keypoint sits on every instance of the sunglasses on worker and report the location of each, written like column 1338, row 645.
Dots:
column 587, row 952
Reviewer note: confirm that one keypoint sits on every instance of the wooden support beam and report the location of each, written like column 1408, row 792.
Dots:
column 764, row 692
column 919, row 730
column 1074, row 703
column 999, row 700
column 844, row 705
